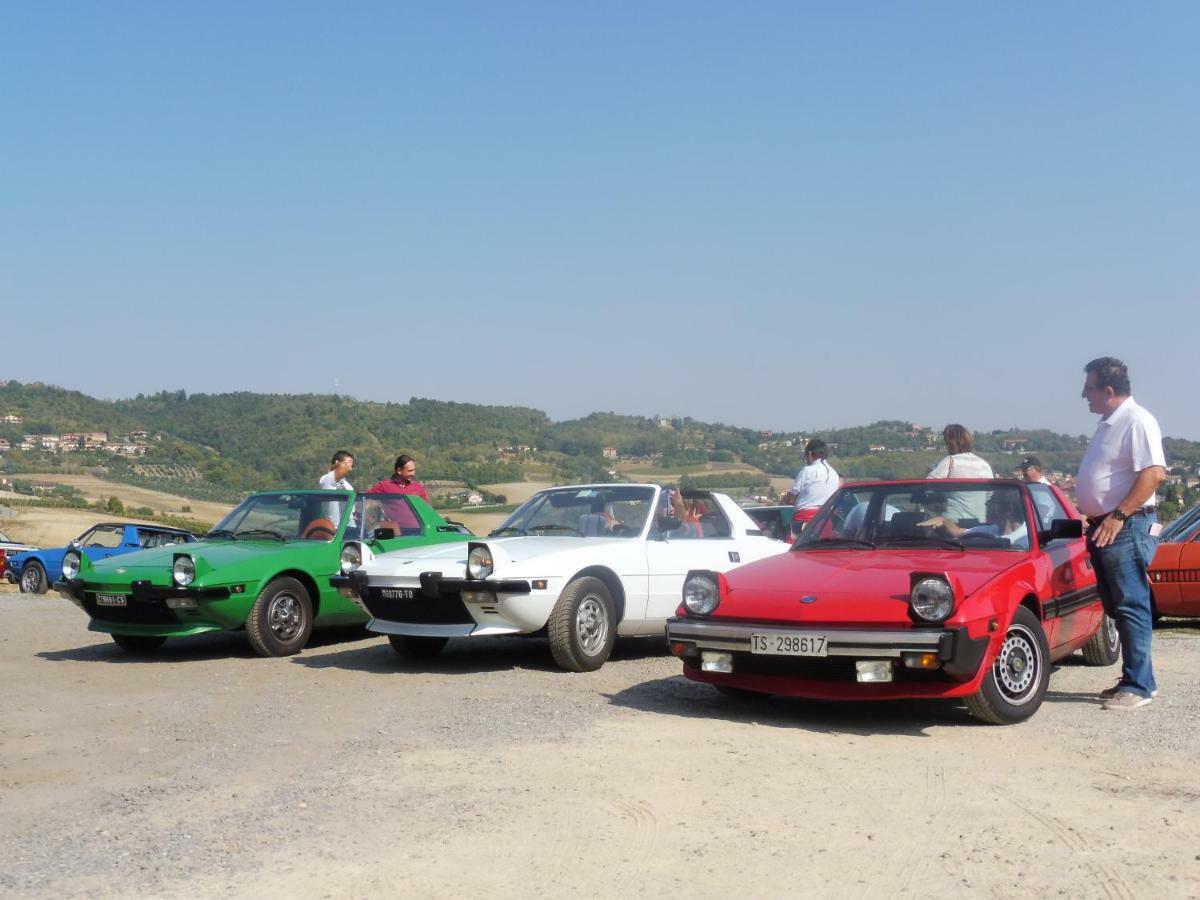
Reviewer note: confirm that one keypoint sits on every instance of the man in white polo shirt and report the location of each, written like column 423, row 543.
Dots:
column 1120, row 472
column 814, row 484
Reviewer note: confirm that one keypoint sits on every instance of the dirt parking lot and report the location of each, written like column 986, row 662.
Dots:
column 344, row 772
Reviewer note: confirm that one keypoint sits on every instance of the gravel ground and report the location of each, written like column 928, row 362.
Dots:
column 204, row 770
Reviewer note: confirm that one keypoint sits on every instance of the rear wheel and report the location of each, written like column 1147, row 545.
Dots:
column 583, row 626
column 1013, row 689
column 417, row 647
column 137, row 643
column 1104, row 648
column 33, row 578
column 281, row 619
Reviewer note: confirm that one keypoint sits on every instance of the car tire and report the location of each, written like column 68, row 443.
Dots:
column 281, row 619
column 583, row 625
column 417, row 647
column 1015, row 685
column 1104, row 648
column 137, row 643
column 33, row 578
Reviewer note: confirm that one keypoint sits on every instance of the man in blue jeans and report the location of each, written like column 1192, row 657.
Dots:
column 1120, row 472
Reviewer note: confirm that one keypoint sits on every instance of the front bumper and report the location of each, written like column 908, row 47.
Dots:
column 145, row 610
column 959, row 659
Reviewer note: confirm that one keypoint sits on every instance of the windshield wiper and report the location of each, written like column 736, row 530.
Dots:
column 221, row 532
column 840, row 542
column 924, row 539
column 506, row 530
column 555, row 527
column 274, row 534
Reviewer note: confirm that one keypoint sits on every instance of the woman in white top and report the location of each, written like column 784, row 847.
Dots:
column 960, row 462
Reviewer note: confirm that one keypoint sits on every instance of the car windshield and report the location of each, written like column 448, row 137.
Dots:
column 602, row 511
column 956, row 515
column 1183, row 526
column 307, row 516
column 394, row 511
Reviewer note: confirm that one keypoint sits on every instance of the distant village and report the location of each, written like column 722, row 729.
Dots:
column 135, row 443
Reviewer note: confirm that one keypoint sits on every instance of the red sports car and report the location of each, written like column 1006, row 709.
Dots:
column 1175, row 572
column 938, row 589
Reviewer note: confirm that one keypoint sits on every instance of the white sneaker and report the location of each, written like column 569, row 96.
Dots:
column 1126, row 700
column 1116, row 689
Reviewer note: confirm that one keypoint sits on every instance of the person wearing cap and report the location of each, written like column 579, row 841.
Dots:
column 1122, row 468
column 1031, row 471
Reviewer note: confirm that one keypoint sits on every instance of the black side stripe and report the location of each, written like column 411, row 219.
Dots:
column 1072, row 601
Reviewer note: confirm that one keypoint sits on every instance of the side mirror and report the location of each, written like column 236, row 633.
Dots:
column 383, row 534
column 1061, row 528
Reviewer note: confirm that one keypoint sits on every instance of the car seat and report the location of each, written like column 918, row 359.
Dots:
column 319, row 530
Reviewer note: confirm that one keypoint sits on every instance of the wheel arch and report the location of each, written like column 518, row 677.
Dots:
column 310, row 585
column 611, row 581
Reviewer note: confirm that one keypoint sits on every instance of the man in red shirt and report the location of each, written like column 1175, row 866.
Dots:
column 403, row 481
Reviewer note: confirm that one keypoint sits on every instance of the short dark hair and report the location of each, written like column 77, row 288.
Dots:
column 958, row 438
column 339, row 456
column 817, row 448
column 401, row 461
column 1110, row 372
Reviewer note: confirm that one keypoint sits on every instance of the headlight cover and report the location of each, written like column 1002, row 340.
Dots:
column 701, row 593
column 184, row 571
column 932, row 599
column 479, row 562
column 351, row 558
column 70, row 564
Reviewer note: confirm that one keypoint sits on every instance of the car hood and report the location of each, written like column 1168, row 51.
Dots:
column 509, row 554
column 851, row 587
column 215, row 555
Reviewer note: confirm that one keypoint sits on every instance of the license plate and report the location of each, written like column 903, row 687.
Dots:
column 775, row 643
column 110, row 600
column 397, row 593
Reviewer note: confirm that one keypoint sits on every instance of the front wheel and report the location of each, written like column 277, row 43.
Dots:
column 583, row 625
column 1104, row 648
column 33, row 578
column 417, row 647
column 281, row 619
column 1013, row 689
column 137, row 643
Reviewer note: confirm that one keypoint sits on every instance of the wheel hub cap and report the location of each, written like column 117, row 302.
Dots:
column 1016, row 670
column 591, row 625
column 284, row 617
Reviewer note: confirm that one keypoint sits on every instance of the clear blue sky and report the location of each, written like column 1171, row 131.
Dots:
column 785, row 215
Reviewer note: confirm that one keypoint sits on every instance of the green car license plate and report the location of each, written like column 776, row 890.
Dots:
column 110, row 600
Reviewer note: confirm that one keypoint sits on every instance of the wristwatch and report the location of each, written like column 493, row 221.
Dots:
column 1118, row 515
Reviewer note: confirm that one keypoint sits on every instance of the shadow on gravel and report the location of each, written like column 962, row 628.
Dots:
column 195, row 648
column 470, row 656
column 676, row 696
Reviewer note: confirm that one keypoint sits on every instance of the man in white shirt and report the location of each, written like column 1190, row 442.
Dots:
column 1120, row 472
column 814, row 484
column 1031, row 473
column 335, row 479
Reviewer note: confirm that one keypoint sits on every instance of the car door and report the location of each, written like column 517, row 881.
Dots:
column 1071, row 612
column 670, row 557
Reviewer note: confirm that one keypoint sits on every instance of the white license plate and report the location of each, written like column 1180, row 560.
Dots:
column 397, row 593
column 110, row 600
column 778, row 643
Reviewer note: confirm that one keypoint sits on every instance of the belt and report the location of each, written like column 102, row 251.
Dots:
column 1093, row 521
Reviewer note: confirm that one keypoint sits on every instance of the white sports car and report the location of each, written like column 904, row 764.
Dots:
column 581, row 564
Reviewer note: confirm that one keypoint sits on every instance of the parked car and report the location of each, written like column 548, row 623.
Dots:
column 265, row 567
column 1175, row 571
column 886, row 595
column 9, row 547
column 36, row 570
column 581, row 564
column 776, row 521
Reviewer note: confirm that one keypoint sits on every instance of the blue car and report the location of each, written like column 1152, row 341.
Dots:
column 36, row 570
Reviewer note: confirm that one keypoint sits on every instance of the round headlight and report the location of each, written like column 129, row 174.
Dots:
column 932, row 599
column 184, row 571
column 701, row 594
column 70, row 564
column 351, row 558
column 479, row 562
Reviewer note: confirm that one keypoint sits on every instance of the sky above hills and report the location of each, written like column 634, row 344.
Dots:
column 780, row 215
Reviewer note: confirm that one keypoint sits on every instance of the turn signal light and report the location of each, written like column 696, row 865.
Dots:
column 921, row 660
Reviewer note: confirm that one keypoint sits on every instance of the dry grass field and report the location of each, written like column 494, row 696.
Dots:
column 94, row 488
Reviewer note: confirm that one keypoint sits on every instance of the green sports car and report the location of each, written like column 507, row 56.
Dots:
column 265, row 567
